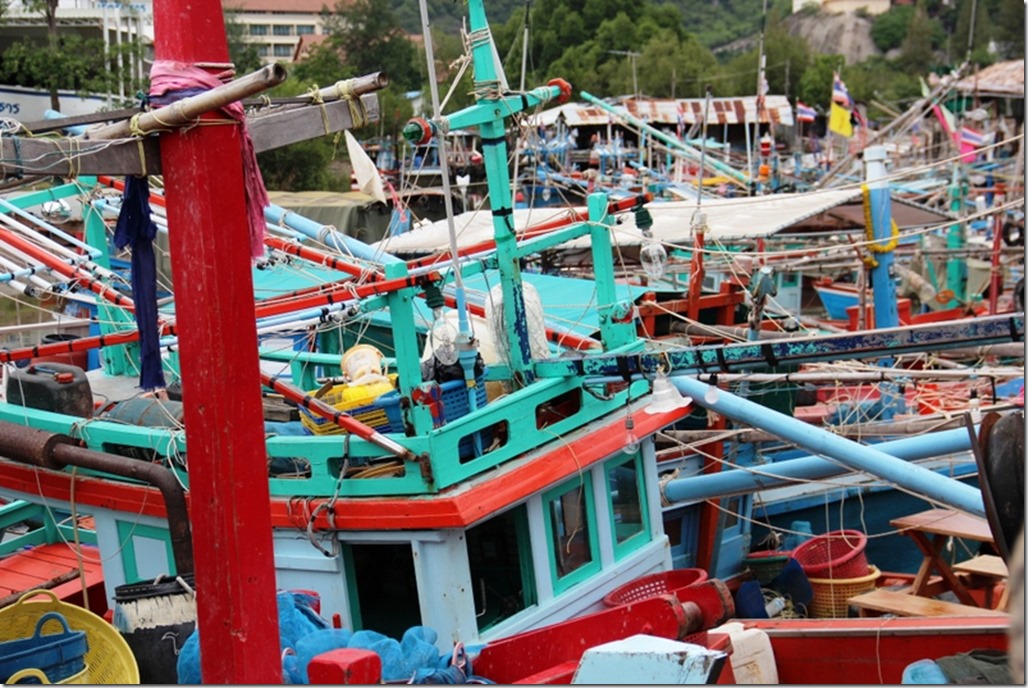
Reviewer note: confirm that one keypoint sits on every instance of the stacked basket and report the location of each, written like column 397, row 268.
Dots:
column 107, row 657
column 654, row 585
column 836, row 565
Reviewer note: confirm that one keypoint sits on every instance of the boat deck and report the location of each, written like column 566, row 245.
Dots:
column 54, row 567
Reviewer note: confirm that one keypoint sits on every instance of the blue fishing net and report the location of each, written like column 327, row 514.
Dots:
column 296, row 619
column 313, row 644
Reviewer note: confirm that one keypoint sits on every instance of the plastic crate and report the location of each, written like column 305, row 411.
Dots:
column 831, row 595
column 662, row 583
column 360, row 403
column 839, row 554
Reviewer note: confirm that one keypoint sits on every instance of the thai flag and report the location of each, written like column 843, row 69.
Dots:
column 970, row 137
column 805, row 113
column 839, row 92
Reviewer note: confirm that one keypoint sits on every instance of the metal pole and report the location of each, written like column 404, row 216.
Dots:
column 232, row 545
column 728, row 483
column 819, row 441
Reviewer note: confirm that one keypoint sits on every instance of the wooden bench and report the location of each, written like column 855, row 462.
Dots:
column 905, row 604
column 991, row 568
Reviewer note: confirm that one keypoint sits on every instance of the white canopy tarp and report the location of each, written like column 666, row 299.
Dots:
column 727, row 219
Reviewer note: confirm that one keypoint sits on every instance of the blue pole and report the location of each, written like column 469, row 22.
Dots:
column 818, row 441
column 882, row 274
column 328, row 235
column 728, row 483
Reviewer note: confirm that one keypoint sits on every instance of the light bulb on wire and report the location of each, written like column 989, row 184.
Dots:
column 631, row 440
column 443, row 337
column 653, row 256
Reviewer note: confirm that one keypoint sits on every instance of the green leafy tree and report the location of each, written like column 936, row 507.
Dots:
column 816, row 83
column 889, row 28
column 1010, row 28
column 369, row 37
column 916, row 49
column 242, row 53
column 977, row 41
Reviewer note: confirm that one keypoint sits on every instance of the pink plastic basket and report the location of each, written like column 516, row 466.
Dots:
column 662, row 583
column 839, row 554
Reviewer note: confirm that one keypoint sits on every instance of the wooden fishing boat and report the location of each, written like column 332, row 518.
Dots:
column 421, row 485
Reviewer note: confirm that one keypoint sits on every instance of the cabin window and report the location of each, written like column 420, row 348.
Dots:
column 790, row 279
column 145, row 551
column 626, row 492
column 571, row 534
column 258, row 29
column 383, row 588
column 499, row 555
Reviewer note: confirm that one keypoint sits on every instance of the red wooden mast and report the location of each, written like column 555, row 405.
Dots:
column 210, row 250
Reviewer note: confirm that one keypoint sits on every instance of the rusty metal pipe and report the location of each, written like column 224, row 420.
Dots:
column 54, row 451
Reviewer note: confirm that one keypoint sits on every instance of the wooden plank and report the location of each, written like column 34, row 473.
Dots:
column 988, row 565
column 70, row 157
column 946, row 522
column 902, row 604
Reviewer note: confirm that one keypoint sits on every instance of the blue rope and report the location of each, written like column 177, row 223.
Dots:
column 136, row 228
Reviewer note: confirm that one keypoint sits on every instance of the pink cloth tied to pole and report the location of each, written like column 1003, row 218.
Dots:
column 167, row 76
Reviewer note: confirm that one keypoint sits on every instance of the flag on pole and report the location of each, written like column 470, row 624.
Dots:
column 839, row 121
column 840, row 94
column 970, row 137
column 681, row 119
column 805, row 113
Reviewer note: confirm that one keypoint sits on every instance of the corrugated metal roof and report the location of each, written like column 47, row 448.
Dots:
column 1003, row 79
column 777, row 110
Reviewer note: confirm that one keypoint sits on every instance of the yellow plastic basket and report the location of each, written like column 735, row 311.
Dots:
column 831, row 595
column 18, row 676
column 358, row 401
column 109, row 659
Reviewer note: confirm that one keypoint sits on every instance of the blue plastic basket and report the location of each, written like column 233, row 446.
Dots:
column 58, row 655
column 454, row 398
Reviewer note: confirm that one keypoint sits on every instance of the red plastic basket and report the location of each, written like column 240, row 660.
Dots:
column 662, row 583
column 839, row 554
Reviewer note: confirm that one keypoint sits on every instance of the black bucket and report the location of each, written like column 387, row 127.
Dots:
column 155, row 619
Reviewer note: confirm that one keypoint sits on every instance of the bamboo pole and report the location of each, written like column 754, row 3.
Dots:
column 187, row 110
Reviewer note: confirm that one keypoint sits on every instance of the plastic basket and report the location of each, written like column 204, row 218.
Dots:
column 662, row 583
column 766, row 564
column 359, row 402
column 59, row 654
column 108, row 657
column 839, row 554
column 454, row 398
column 35, row 676
column 831, row 595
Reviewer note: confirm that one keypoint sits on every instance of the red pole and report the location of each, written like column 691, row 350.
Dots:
column 210, row 248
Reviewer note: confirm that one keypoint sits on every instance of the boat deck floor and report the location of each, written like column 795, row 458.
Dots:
column 54, row 567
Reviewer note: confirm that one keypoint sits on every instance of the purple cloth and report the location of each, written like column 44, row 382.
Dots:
column 170, row 81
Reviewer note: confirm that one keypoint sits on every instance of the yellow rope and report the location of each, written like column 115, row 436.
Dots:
column 869, row 231
column 315, row 95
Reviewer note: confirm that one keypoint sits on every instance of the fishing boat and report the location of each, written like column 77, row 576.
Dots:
column 351, row 438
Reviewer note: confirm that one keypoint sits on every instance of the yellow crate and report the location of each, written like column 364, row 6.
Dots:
column 358, row 402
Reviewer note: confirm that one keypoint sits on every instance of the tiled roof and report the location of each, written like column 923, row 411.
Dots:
column 1001, row 79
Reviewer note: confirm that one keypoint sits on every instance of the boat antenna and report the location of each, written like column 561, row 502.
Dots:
column 458, row 282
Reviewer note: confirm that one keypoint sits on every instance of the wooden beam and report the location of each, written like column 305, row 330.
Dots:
column 70, row 157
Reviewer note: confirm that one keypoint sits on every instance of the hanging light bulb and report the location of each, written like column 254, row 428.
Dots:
column 443, row 337
column 711, row 395
column 631, row 440
column 653, row 257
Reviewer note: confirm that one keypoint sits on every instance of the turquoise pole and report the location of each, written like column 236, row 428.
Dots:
column 818, row 441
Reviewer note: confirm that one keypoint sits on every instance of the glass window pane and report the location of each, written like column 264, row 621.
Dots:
column 258, row 30
column 571, row 531
column 624, row 498
column 282, row 30
column 304, row 29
